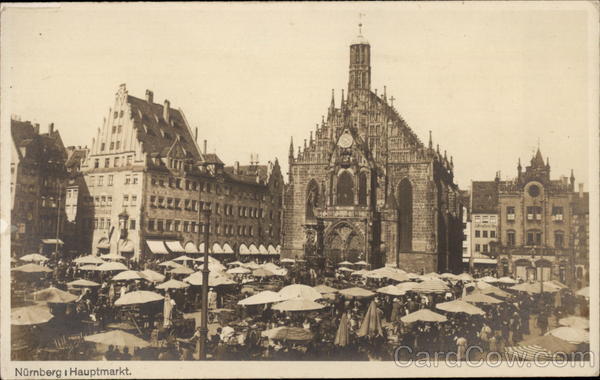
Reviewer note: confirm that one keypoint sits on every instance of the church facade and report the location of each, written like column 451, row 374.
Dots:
column 365, row 187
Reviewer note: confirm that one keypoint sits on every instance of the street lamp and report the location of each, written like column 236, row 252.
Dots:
column 123, row 219
column 541, row 271
column 204, row 316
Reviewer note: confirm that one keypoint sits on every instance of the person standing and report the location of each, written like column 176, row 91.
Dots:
column 461, row 352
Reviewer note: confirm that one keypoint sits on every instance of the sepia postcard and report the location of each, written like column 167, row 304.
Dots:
column 299, row 189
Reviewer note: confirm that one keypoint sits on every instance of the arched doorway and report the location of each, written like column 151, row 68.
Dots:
column 345, row 189
column 343, row 242
column 405, row 210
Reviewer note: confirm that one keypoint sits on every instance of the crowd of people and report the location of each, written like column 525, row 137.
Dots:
column 237, row 332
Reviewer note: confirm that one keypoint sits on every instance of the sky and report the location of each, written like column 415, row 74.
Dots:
column 491, row 81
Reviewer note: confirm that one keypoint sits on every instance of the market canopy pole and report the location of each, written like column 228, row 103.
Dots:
column 205, row 271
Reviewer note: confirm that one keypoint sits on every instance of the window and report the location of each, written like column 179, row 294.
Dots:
column 100, row 180
column 559, row 239
column 186, row 204
column 510, row 237
column 110, row 179
column 168, row 224
column 109, row 201
column 477, row 233
column 557, row 213
column 477, row 248
column 129, row 159
column 125, row 199
column 485, row 248
column 120, row 127
column 96, row 223
column 102, row 201
column 135, row 179
column 186, row 226
column 114, row 128
column 477, row 219
column 161, row 202
column 133, row 200
column 217, row 208
column 96, row 163
column 485, row 233
column 112, row 145
column 534, row 213
column 92, row 180
column 493, row 219
column 118, row 142
column 510, row 213
column 116, row 162
column 169, row 202
column 492, row 234
column 177, row 225
column 159, row 225
column 153, row 200
column 534, row 237
column 153, row 181
column 178, row 183
column 102, row 147
column 101, row 223
column 132, row 224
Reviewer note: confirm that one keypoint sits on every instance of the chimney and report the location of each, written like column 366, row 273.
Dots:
column 51, row 128
column 196, row 134
column 166, row 110
column 205, row 151
column 236, row 168
column 581, row 190
column 36, row 128
column 149, row 96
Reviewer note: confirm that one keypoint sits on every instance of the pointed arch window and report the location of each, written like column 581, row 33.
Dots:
column 405, row 209
column 345, row 189
column 362, row 189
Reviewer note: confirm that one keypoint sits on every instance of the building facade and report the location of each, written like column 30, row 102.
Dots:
column 535, row 224
column 365, row 187
column 147, row 180
column 484, row 225
column 38, row 188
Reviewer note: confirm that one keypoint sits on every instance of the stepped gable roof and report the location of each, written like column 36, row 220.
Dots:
column 484, row 197
column 158, row 135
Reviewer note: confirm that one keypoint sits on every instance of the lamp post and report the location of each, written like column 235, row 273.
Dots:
column 541, row 271
column 204, row 316
column 123, row 219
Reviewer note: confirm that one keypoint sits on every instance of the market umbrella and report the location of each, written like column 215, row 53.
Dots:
column 30, row 315
column 373, row 275
column 110, row 266
column 54, row 295
column 576, row 322
column 183, row 258
column 356, row 292
column 127, row 275
column 91, row 267
column 251, row 265
column 371, row 324
column 261, row 298
column 138, row 297
column 541, row 348
column 478, row 297
column 506, row 280
column 288, row 261
column 117, row 338
column 449, row 276
column 423, row 315
column 34, row 258
column 584, row 292
column 298, row 304
column 288, row 333
column 152, row 276
column 239, row 263
column 324, row 289
column 488, row 289
column 344, row 263
column 172, row 284
column 112, row 256
column 342, row 336
column 431, row 286
column 391, row 290
column 181, row 270
column 534, row 288
column 299, row 291
column 465, row 277
column 82, row 283
column 362, row 262
column 570, row 334
column 344, row 269
column 406, row 286
column 214, row 279
column 239, row 270
column 489, row 279
column 89, row 259
column 458, row 306
column 32, row 268
column 262, row 272
column 170, row 264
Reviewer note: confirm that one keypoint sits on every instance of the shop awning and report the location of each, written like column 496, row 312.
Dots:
column 227, row 248
column 175, row 246
column 52, row 241
column 190, row 247
column 244, row 249
column 216, row 248
column 126, row 246
column 480, row 260
column 157, row 247
column 272, row 249
column 263, row 250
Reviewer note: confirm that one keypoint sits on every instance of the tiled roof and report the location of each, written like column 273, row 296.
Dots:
column 211, row 158
column 484, row 197
column 247, row 173
column 155, row 133
column 22, row 132
column 76, row 156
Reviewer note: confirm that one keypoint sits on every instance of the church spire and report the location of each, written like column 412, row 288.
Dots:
column 430, row 141
column 360, row 64
column 332, row 105
column 291, row 153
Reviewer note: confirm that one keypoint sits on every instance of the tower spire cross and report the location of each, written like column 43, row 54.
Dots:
column 360, row 16
column 392, row 100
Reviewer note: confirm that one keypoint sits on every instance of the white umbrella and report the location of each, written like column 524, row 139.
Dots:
column 34, row 258
column 576, row 322
column 506, row 280
column 344, row 263
column 112, row 256
column 262, row 298
column 172, row 284
column 288, row 261
column 391, row 290
column 458, row 306
column 138, row 297
column 89, row 259
column 489, row 279
column 239, row 270
column 362, row 262
column 299, row 291
column 570, row 334
column 298, row 304
column 183, row 258
column 127, row 275
column 110, row 266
